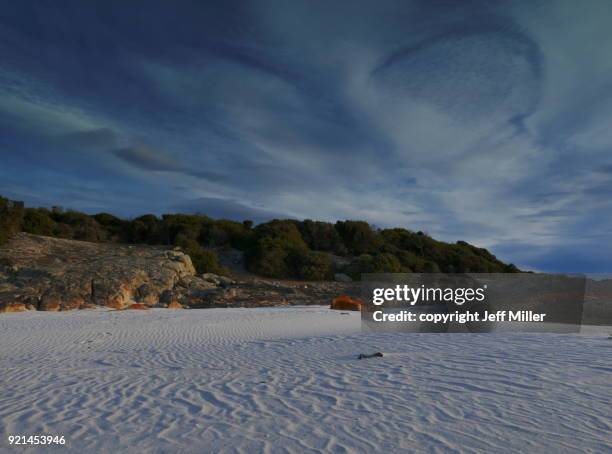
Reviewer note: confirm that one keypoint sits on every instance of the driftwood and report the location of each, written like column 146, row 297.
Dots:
column 372, row 355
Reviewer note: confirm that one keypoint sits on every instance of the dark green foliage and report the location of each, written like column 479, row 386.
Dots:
column 321, row 236
column 386, row 263
column 204, row 260
column 116, row 228
column 278, row 249
column 284, row 230
column 81, row 226
column 11, row 218
column 378, row 263
column 173, row 225
column 270, row 257
column 313, row 266
column 228, row 233
column 38, row 222
column 358, row 237
column 413, row 263
column 146, row 229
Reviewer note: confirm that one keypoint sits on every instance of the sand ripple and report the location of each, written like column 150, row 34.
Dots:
column 286, row 380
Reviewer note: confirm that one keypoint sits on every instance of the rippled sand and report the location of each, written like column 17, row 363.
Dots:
column 287, row 380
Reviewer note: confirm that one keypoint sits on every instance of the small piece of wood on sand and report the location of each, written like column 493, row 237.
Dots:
column 372, row 355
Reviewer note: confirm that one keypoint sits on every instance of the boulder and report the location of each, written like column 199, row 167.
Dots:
column 13, row 307
column 148, row 294
column 211, row 278
column 53, row 274
column 167, row 297
column 57, row 274
column 346, row 303
column 70, row 303
column 218, row 280
column 50, row 303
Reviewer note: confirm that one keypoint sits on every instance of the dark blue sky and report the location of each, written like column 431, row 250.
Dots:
column 469, row 120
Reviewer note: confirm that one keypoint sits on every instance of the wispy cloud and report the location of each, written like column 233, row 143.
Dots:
column 470, row 120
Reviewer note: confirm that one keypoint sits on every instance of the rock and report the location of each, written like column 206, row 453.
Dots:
column 60, row 274
column 31, row 303
column 120, row 299
column 13, row 307
column 226, row 282
column 70, row 303
column 136, row 306
column 14, row 299
column 148, row 294
column 50, row 303
column 210, row 277
column 341, row 277
column 174, row 305
column 167, row 297
column 218, row 280
column 345, row 303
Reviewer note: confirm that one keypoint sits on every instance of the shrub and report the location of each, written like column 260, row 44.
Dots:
column 229, row 233
column 188, row 225
column 270, row 258
column 378, row 263
column 204, row 260
column 78, row 226
column 11, row 218
column 358, row 237
column 279, row 248
column 116, row 228
column 38, row 222
column 316, row 266
column 321, row 236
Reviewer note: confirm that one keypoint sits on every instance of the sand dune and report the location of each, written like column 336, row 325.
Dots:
column 287, row 380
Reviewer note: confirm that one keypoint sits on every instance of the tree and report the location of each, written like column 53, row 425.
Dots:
column 377, row 263
column 314, row 266
column 321, row 236
column 358, row 237
column 277, row 247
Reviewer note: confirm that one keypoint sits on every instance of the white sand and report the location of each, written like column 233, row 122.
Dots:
column 286, row 380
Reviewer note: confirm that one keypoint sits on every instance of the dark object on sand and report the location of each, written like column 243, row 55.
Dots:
column 373, row 355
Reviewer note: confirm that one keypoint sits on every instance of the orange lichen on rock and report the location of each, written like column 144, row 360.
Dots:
column 13, row 307
column 50, row 303
column 346, row 303
column 137, row 306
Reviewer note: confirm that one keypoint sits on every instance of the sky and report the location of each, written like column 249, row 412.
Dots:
column 489, row 122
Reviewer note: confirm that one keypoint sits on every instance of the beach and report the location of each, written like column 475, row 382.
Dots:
column 288, row 380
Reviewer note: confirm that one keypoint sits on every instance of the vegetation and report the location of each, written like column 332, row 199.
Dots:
column 309, row 250
column 11, row 218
